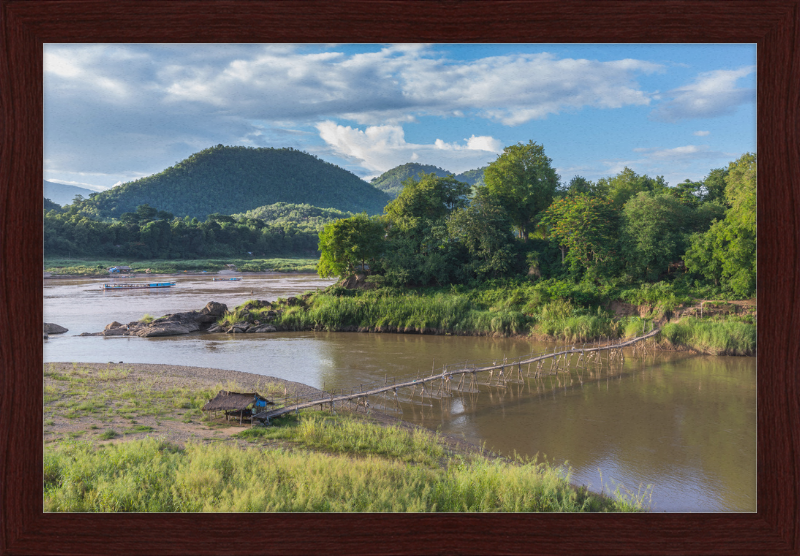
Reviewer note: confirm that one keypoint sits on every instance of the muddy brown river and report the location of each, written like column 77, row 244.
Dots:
column 685, row 424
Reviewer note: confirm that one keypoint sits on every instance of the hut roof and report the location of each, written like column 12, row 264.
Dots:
column 232, row 401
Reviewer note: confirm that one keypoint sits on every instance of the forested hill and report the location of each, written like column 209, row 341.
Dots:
column 391, row 181
column 63, row 194
column 231, row 180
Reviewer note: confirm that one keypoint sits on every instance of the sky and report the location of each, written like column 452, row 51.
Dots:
column 117, row 112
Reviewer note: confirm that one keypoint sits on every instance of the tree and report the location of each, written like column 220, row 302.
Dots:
column 430, row 197
column 524, row 181
column 146, row 213
column 347, row 243
column 484, row 228
column 654, row 234
column 726, row 253
column 585, row 227
column 627, row 184
column 580, row 185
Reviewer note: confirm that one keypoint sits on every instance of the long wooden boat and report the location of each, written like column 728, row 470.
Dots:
column 226, row 279
column 131, row 286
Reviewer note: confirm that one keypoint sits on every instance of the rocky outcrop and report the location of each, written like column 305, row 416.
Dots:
column 205, row 319
column 51, row 328
column 167, row 329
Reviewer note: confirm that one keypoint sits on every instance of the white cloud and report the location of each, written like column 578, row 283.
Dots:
column 713, row 93
column 701, row 133
column 379, row 148
column 399, row 82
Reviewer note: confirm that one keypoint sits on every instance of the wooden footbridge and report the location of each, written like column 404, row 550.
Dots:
column 461, row 371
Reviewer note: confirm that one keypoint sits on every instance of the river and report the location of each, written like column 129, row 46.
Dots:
column 684, row 423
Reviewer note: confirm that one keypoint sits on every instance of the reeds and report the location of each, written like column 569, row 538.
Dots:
column 715, row 337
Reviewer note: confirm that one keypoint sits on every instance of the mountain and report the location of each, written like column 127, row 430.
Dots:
column 62, row 194
column 50, row 205
column 391, row 181
column 230, row 180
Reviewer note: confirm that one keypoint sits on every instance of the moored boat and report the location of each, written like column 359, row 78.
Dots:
column 129, row 285
column 226, row 279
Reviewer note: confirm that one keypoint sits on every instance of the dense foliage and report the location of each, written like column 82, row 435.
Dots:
column 237, row 179
column 623, row 231
column 149, row 233
column 281, row 213
column 391, row 181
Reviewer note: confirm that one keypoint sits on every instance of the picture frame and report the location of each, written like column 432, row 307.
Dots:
column 774, row 25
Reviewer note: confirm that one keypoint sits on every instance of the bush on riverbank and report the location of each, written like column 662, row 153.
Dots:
column 730, row 337
column 152, row 475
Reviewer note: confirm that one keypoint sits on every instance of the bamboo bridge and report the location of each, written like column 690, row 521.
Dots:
column 445, row 378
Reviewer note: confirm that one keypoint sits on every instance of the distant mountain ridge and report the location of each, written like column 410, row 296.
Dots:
column 231, row 180
column 63, row 194
column 391, row 181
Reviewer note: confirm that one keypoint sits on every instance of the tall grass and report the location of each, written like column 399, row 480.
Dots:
column 715, row 337
column 151, row 475
column 346, row 434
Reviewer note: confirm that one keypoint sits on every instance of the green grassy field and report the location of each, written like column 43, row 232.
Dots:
column 352, row 466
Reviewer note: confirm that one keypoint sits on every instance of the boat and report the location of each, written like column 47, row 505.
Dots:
column 129, row 285
column 226, row 279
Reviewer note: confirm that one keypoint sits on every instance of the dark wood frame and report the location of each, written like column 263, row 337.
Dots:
column 773, row 24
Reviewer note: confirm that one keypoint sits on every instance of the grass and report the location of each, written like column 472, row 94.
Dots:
column 104, row 393
column 151, row 475
column 547, row 309
column 348, row 434
column 99, row 267
column 728, row 337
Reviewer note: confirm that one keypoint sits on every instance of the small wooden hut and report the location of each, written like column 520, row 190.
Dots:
column 237, row 404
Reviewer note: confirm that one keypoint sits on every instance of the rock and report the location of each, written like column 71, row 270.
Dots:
column 262, row 328
column 114, row 332
column 114, row 324
column 165, row 329
column 292, row 301
column 51, row 328
column 215, row 328
column 215, row 309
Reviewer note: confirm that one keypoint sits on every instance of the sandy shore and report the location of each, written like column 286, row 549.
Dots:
column 69, row 386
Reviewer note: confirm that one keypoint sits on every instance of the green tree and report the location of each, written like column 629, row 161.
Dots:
column 627, row 184
column 654, row 234
column 585, row 227
column 146, row 213
column 346, row 244
column 726, row 253
column 484, row 228
column 524, row 181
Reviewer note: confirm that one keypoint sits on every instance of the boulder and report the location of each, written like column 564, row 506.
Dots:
column 292, row 301
column 215, row 309
column 114, row 331
column 262, row 328
column 114, row 324
column 51, row 328
column 215, row 328
column 166, row 329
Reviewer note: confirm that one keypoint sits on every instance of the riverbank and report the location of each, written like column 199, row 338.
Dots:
column 723, row 329
column 146, row 419
column 73, row 268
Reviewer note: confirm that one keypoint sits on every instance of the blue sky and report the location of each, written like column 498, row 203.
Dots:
column 117, row 112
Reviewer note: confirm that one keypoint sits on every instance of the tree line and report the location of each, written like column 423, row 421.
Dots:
column 625, row 229
column 148, row 233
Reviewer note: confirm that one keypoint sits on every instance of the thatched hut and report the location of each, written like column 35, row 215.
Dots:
column 237, row 404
